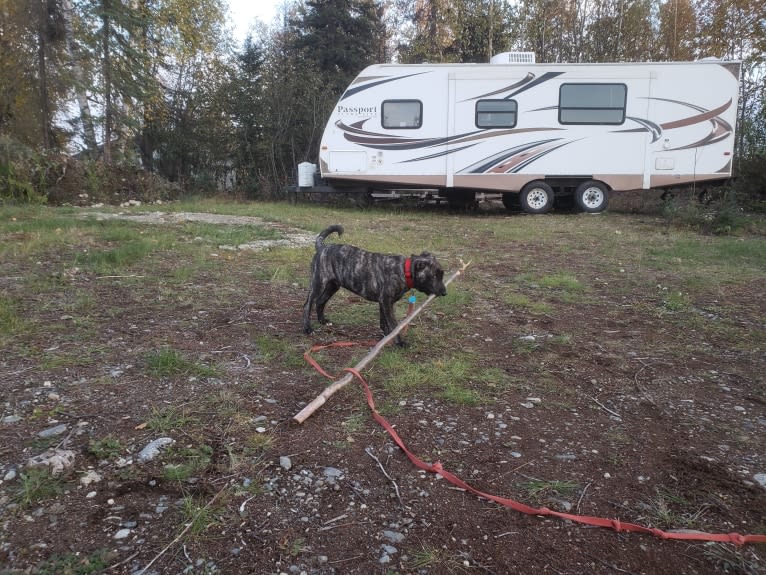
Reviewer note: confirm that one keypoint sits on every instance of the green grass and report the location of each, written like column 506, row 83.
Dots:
column 169, row 362
column 169, row 419
column 107, row 448
column 186, row 462
column 76, row 563
column 458, row 379
column 540, row 490
column 199, row 517
column 37, row 485
column 10, row 320
column 280, row 351
column 668, row 509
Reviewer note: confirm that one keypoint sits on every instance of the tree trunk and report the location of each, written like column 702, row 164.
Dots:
column 89, row 132
column 42, row 44
column 107, row 67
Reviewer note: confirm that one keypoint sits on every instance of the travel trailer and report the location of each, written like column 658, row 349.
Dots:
column 538, row 134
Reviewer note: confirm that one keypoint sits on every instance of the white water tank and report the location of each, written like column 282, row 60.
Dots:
column 306, row 171
column 513, row 58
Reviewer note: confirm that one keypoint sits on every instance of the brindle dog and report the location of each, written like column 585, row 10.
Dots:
column 375, row 277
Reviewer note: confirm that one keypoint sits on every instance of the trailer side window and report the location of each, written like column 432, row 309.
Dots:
column 592, row 103
column 496, row 113
column 399, row 114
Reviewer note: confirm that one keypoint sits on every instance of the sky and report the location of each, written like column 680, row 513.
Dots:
column 244, row 12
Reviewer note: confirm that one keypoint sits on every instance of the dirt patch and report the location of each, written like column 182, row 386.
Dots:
column 609, row 398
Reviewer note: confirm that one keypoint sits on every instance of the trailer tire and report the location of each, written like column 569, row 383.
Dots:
column 592, row 196
column 536, row 197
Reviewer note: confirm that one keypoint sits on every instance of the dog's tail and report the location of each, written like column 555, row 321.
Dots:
column 321, row 237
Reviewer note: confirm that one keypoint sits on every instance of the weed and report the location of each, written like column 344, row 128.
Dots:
column 354, row 423
column 451, row 376
column 540, row 489
column 10, row 321
column 667, row 509
column 272, row 348
column 37, row 484
column 259, row 442
column 736, row 560
column 169, row 362
column 168, row 419
column 199, row 517
column 75, row 563
column 562, row 281
column 106, row 448
column 521, row 301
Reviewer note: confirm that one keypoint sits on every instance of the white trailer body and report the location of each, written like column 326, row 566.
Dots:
column 538, row 129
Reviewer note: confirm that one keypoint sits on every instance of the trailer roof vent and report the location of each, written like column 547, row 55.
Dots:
column 513, row 58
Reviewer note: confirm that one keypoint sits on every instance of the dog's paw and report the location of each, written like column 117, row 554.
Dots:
column 325, row 321
column 402, row 344
column 308, row 330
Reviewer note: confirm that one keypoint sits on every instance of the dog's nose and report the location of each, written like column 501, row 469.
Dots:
column 443, row 291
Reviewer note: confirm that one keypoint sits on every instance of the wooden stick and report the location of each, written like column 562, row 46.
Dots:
column 321, row 399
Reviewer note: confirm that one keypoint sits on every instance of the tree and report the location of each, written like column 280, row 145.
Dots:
column 677, row 32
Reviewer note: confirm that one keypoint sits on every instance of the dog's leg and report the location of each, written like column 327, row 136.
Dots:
column 321, row 301
column 388, row 321
column 307, row 310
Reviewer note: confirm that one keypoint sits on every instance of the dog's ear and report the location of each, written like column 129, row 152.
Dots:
column 425, row 255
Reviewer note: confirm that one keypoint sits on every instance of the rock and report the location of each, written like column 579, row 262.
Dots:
column 393, row 536
column 152, row 450
column 332, row 473
column 57, row 460
column 90, row 477
column 285, row 463
column 566, row 457
column 11, row 419
column 122, row 534
column 53, row 431
column 528, row 338
column 760, row 479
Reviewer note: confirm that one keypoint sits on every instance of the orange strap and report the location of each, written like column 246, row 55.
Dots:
column 437, row 468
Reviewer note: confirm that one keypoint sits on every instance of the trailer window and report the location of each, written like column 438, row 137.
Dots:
column 496, row 113
column 402, row 114
column 592, row 103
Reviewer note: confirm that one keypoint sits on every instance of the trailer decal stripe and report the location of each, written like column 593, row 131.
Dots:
column 529, row 77
column 358, row 89
column 487, row 164
column 707, row 115
column 520, row 167
column 544, row 78
column 444, row 153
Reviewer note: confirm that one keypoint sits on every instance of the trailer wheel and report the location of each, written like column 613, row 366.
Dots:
column 592, row 196
column 536, row 198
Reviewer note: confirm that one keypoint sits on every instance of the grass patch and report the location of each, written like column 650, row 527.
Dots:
column 541, row 490
column 522, row 301
column 273, row 350
column 169, row 362
column 455, row 378
column 186, row 462
column 199, row 517
column 667, row 509
column 76, row 563
column 36, row 485
column 107, row 448
column 169, row 419
column 10, row 321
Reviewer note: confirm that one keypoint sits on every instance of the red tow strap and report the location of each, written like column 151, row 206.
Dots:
column 437, row 468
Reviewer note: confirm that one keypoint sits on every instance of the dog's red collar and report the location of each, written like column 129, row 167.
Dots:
column 408, row 273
